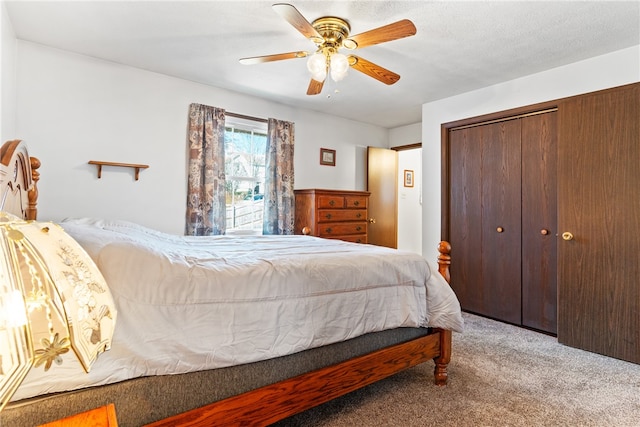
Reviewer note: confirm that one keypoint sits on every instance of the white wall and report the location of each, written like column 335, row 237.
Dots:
column 610, row 70
column 72, row 109
column 409, row 198
column 7, row 76
column 405, row 135
column 410, row 201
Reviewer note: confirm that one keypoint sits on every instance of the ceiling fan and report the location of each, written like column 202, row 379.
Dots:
column 330, row 34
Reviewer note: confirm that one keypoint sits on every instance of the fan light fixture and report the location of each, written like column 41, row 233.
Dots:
column 321, row 62
column 329, row 34
column 327, row 59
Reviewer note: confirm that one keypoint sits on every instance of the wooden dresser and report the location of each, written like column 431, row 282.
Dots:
column 332, row 214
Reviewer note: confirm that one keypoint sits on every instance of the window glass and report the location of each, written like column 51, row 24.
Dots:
column 245, row 151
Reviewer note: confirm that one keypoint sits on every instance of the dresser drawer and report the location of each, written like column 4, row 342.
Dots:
column 357, row 238
column 330, row 201
column 342, row 228
column 339, row 215
column 357, row 202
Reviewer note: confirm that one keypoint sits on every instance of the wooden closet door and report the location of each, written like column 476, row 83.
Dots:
column 539, row 221
column 465, row 196
column 501, row 214
column 599, row 203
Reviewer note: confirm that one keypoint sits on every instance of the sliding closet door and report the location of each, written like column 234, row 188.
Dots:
column 539, row 221
column 599, row 204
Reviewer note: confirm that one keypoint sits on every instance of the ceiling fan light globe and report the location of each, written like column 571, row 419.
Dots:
column 319, row 77
column 339, row 66
column 317, row 66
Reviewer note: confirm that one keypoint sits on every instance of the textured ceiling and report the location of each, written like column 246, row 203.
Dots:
column 459, row 46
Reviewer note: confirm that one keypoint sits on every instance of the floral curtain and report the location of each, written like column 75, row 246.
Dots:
column 279, row 201
column 206, row 205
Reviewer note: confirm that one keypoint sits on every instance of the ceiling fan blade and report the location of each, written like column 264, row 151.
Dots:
column 270, row 58
column 295, row 18
column 315, row 87
column 373, row 70
column 387, row 33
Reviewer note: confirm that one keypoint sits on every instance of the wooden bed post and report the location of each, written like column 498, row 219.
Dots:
column 442, row 361
column 32, row 209
column 444, row 260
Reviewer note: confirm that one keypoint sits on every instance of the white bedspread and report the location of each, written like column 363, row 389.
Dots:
column 193, row 303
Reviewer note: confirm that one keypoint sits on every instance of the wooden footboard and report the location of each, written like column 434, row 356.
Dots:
column 275, row 402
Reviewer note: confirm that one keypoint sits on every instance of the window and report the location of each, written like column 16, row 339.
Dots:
column 245, row 145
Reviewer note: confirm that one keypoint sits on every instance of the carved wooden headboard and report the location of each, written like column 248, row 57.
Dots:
column 18, row 180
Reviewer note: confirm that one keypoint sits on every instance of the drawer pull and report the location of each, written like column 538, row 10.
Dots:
column 332, row 202
column 329, row 230
column 328, row 216
column 358, row 228
column 356, row 203
column 358, row 215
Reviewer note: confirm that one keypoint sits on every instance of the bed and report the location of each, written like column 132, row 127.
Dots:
column 244, row 354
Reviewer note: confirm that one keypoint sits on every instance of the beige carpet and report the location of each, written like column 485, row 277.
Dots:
column 500, row 375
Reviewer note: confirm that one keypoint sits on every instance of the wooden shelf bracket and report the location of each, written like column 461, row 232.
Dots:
column 135, row 166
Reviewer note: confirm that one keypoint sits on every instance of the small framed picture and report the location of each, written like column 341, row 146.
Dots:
column 408, row 178
column 327, row 157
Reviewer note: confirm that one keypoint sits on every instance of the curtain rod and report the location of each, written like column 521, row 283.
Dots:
column 242, row 116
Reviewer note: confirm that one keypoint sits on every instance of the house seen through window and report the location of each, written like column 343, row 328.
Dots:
column 245, row 143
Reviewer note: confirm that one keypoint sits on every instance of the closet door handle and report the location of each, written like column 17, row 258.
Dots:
column 544, row 231
column 499, row 229
column 567, row 235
